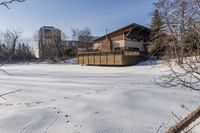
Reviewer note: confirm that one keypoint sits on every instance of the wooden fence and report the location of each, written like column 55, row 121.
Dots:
column 120, row 58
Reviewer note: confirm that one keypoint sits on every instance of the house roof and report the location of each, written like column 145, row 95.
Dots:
column 133, row 25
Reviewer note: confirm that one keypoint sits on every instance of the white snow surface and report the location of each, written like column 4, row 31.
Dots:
column 67, row 98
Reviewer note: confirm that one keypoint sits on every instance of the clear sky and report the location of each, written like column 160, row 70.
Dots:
column 66, row 14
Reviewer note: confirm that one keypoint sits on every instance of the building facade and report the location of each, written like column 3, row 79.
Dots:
column 125, row 46
column 131, row 37
column 50, row 43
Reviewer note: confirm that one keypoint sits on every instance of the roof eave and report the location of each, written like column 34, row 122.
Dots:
column 126, row 27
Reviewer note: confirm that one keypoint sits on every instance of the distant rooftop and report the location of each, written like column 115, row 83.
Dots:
column 47, row 27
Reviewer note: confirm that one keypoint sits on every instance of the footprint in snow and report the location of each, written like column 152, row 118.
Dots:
column 38, row 102
column 32, row 104
column 59, row 112
column 88, row 93
column 67, row 116
column 27, row 104
column 9, row 104
column 53, row 100
column 68, row 119
column 78, row 126
column 53, row 108
column 98, row 90
column 78, row 96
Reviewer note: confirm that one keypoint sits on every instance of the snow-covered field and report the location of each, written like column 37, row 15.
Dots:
column 86, row 99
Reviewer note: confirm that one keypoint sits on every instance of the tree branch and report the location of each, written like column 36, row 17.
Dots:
column 6, row 3
column 2, row 95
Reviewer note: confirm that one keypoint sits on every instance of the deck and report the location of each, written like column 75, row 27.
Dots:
column 117, row 58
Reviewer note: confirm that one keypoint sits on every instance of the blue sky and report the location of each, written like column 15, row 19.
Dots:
column 66, row 14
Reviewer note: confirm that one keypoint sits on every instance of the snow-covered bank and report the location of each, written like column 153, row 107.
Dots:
column 85, row 99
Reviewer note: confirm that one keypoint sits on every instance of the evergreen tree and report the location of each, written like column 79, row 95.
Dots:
column 157, row 35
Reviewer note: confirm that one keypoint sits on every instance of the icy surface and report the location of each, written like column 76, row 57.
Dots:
column 87, row 99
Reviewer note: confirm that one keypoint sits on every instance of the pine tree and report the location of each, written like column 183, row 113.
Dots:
column 157, row 35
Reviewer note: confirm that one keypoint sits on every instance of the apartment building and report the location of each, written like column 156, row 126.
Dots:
column 50, row 43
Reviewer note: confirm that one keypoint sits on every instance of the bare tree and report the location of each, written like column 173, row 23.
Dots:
column 182, row 20
column 14, row 47
column 12, row 37
column 176, row 14
column 13, row 34
column 189, row 76
column 59, row 46
column 75, row 34
column 83, row 37
column 6, row 3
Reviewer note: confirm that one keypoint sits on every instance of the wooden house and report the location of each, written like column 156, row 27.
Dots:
column 125, row 46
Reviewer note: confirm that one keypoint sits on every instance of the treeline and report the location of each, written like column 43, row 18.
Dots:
column 14, row 48
column 175, row 36
column 175, row 29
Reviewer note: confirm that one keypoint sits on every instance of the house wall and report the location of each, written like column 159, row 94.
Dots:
column 118, row 44
column 117, row 37
column 122, row 44
column 117, row 41
column 97, row 46
column 106, row 44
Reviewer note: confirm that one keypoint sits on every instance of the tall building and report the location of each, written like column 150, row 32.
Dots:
column 50, row 43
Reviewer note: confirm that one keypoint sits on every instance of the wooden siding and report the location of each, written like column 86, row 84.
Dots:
column 118, row 59
column 106, row 44
column 86, row 60
column 104, row 59
column 97, row 59
column 110, row 58
column 91, row 60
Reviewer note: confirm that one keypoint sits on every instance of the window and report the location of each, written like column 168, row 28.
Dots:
column 132, row 49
